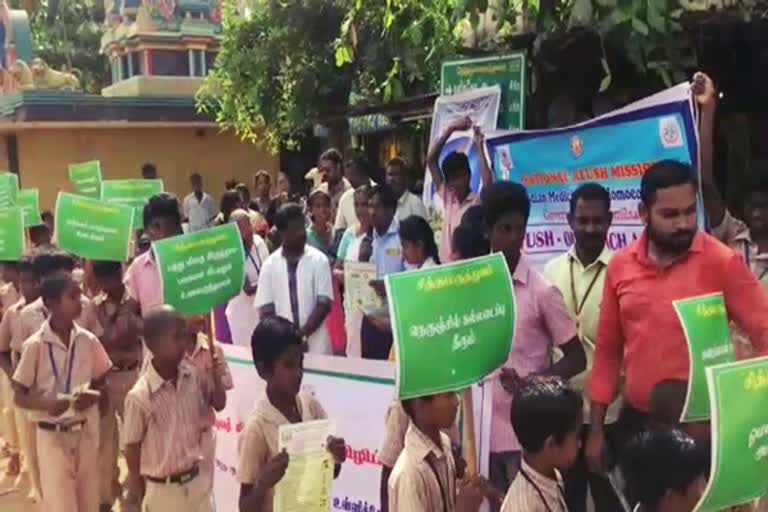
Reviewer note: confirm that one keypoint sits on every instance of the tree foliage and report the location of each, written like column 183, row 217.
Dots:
column 67, row 33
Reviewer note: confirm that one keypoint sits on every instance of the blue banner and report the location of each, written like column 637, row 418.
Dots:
column 614, row 150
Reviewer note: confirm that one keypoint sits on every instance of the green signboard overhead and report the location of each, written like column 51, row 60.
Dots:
column 445, row 343
column 134, row 193
column 201, row 270
column 12, row 240
column 28, row 200
column 9, row 189
column 87, row 178
column 507, row 71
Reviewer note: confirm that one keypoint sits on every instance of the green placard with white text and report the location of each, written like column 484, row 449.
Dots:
column 738, row 394
column 452, row 324
column 28, row 199
column 87, row 178
column 201, row 270
column 705, row 324
column 133, row 193
column 9, row 189
column 507, row 71
column 93, row 229
column 12, row 239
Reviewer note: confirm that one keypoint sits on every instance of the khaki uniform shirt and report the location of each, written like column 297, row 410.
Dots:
column 533, row 492
column 48, row 367
column 109, row 320
column 258, row 442
column 201, row 359
column 582, row 289
column 10, row 326
column 167, row 417
column 424, row 477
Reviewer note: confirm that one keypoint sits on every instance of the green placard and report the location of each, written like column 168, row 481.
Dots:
column 87, row 178
column 738, row 394
column 9, row 189
column 93, row 229
column 12, row 239
column 28, row 200
column 452, row 324
column 705, row 324
column 508, row 71
column 201, row 270
column 133, row 193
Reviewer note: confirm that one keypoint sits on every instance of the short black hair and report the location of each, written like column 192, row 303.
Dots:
column 469, row 241
column 230, row 184
column 228, row 203
column 474, row 215
column 454, row 165
column 417, row 229
column 287, row 213
column 40, row 229
column 195, row 176
column 46, row 215
column 545, row 407
column 106, row 269
column 158, row 321
column 315, row 194
column 148, row 169
column 658, row 461
column 272, row 337
column 386, row 195
column 55, row 284
column 501, row 197
column 162, row 205
column 397, row 162
column 665, row 174
column 591, row 192
column 332, row 155
column 52, row 260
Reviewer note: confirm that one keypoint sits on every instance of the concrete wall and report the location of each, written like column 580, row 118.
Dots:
column 177, row 152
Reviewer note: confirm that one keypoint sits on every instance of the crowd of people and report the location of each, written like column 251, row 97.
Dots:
column 586, row 409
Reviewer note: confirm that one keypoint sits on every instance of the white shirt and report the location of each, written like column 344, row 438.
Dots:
column 313, row 282
column 345, row 215
column 242, row 313
column 410, row 204
column 199, row 213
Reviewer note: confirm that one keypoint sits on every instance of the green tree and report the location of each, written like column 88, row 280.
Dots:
column 67, row 34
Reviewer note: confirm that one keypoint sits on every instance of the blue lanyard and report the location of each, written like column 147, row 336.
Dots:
column 68, row 384
column 257, row 265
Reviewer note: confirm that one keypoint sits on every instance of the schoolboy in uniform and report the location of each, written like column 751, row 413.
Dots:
column 119, row 330
column 279, row 359
column 547, row 417
column 14, row 418
column 8, row 296
column 164, row 415
column 63, row 358
column 213, row 367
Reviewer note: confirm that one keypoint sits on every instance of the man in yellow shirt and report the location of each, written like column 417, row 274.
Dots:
column 580, row 275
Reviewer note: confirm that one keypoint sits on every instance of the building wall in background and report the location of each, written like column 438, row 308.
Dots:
column 176, row 152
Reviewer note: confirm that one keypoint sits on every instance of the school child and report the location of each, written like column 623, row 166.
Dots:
column 418, row 241
column 119, row 330
column 424, row 477
column 164, row 419
column 279, row 360
column 8, row 296
column 25, row 281
column 213, row 367
column 64, row 359
column 9, row 290
column 664, row 471
column 546, row 417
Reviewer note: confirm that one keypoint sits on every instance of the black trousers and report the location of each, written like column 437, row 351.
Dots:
column 579, row 479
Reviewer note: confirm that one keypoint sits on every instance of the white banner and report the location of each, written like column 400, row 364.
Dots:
column 356, row 394
column 482, row 106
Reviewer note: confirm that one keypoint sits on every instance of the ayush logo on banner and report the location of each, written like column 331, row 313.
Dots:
column 460, row 341
column 201, row 270
column 93, row 229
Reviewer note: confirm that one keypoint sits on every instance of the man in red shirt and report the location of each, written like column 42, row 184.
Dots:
column 639, row 329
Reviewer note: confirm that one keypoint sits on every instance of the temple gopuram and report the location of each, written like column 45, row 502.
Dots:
column 159, row 52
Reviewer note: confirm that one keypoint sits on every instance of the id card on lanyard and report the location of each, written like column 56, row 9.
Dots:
column 69, row 364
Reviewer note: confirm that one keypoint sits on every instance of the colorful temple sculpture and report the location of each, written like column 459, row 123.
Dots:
column 159, row 52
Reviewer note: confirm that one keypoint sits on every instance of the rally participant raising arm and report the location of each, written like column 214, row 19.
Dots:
column 451, row 178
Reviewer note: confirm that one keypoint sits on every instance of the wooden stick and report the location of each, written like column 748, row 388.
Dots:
column 470, row 451
column 209, row 329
